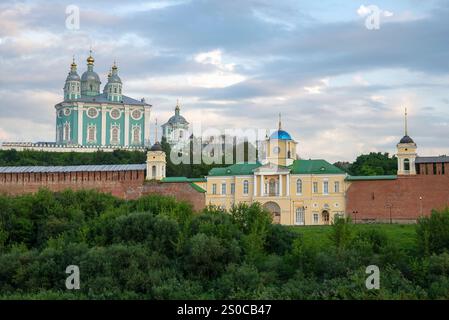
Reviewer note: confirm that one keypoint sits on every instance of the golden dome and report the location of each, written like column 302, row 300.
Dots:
column 90, row 60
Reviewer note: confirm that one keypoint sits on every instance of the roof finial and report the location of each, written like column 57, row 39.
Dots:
column 73, row 62
column 280, row 121
column 90, row 59
column 405, row 120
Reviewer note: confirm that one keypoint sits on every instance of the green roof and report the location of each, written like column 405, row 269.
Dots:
column 298, row 167
column 183, row 179
column 368, row 178
column 235, row 169
column 197, row 187
column 318, row 166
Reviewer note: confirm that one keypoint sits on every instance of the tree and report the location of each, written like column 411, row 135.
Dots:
column 373, row 164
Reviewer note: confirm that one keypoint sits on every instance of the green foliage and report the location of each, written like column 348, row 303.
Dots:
column 341, row 235
column 157, row 248
column 374, row 163
column 433, row 233
column 42, row 158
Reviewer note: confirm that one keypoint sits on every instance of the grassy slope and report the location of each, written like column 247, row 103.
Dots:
column 401, row 234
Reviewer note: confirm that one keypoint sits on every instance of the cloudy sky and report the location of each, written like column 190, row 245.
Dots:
column 341, row 87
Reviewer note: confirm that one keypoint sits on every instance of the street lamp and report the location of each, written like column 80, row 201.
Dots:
column 420, row 204
column 355, row 216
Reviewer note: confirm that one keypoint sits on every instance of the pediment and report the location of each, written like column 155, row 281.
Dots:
column 272, row 168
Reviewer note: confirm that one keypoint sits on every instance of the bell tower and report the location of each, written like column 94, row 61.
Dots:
column 156, row 161
column 280, row 147
column 406, row 153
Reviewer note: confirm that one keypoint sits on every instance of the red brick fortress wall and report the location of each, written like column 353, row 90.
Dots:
column 182, row 191
column 118, row 183
column 123, row 184
column 408, row 197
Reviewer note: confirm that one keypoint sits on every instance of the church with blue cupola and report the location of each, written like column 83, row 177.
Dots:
column 91, row 118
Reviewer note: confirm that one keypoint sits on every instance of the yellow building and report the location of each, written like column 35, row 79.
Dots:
column 295, row 191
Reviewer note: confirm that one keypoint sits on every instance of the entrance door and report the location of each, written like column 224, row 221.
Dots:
column 299, row 216
column 275, row 211
column 325, row 215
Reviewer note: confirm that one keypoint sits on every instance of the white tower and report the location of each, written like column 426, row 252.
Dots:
column 406, row 155
column 156, row 161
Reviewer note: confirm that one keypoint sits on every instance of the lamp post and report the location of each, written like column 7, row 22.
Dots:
column 354, row 212
column 420, row 205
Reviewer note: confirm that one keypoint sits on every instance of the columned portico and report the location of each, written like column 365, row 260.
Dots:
column 271, row 181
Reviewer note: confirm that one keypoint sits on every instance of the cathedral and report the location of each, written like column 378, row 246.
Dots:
column 91, row 117
column 176, row 129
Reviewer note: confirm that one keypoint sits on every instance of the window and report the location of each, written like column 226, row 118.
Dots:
column 245, row 187
column 315, row 187
column 406, row 165
column 115, row 134
column 115, row 114
column 326, row 187
column 214, row 189
column 115, row 90
column 442, row 168
column 92, row 112
column 299, row 186
column 223, row 188
column 315, row 218
column 153, row 171
column 181, row 134
column 136, row 135
column 136, row 114
column 300, row 216
column 336, row 187
column 66, row 132
column 232, row 188
column 272, row 186
column 434, row 168
column 91, row 133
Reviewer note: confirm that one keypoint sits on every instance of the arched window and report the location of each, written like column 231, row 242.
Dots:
column 299, row 218
column 136, row 135
column 115, row 134
column 272, row 187
column 299, row 186
column 406, row 165
column 153, row 171
column 115, row 90
column 91, row 88
column 91, row 133
column 245, row 187
column 66, row 132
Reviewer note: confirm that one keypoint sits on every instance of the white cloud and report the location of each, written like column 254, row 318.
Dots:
column 363, row 11
column 317, row 89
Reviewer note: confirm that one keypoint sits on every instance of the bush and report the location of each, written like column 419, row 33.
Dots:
column 433, row 233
